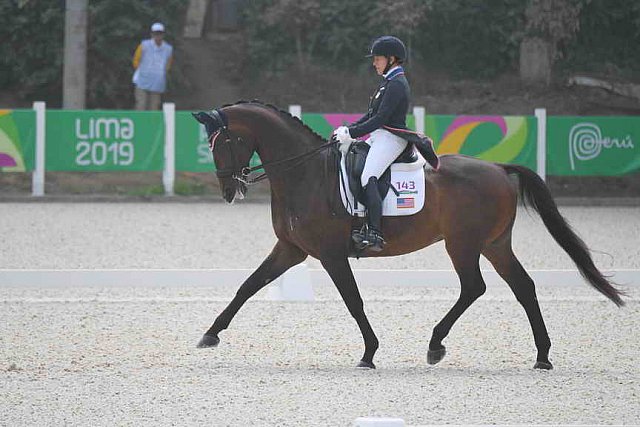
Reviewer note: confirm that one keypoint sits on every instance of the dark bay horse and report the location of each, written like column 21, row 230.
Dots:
column 470, row 204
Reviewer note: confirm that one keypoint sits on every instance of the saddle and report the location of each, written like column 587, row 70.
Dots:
column 355, row 160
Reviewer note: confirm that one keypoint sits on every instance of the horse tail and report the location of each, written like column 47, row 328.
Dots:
column 535, row 193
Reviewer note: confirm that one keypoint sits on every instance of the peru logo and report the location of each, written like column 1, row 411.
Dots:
column 586, row 143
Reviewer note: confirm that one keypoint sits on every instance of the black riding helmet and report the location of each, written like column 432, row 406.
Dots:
column 388, row 46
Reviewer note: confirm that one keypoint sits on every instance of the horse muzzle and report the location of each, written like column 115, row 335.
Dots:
column 233, row 190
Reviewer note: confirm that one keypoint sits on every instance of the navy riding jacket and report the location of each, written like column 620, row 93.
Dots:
column 388, row 106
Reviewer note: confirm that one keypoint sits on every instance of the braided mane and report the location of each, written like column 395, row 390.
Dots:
column 283, row 113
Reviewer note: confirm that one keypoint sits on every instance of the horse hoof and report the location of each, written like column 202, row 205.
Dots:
column 434, row 356
column 366, row 365
column 208, row 341
column 543, row 365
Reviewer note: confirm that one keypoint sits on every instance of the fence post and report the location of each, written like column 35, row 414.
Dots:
column 295, row 111
column 169, row 171
column 293, row 285
column 418, row 114
column 541, row 116
column 37, row 185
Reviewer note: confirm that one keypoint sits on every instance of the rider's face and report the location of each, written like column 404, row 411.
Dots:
column 380, row 63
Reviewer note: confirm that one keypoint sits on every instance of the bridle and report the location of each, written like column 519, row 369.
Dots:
column 243, row 174
column 221, row 124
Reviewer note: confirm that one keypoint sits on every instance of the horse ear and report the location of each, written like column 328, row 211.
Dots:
column 208, row 122
column 202, row 117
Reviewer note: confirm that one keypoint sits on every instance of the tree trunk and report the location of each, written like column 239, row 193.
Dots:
column 300, row 50
column 536, row 61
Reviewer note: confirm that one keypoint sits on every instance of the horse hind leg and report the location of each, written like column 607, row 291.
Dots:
column 501, row 255
column 466, row 263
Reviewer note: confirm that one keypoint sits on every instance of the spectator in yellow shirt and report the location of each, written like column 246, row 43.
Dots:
column 151, row 62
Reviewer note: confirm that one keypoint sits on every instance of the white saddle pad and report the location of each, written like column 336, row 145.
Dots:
column 407, row 178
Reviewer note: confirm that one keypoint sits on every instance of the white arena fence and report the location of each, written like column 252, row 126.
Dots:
column 294, row 285
column 169, row 143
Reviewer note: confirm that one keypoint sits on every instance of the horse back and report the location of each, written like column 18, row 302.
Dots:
column 472, row 196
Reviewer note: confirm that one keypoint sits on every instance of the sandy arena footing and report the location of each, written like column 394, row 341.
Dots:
column 85, row 355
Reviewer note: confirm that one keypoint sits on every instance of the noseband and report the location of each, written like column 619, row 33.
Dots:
column 242, row 174
column 221, row 123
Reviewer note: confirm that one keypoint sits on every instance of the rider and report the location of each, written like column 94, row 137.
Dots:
column 385, row 121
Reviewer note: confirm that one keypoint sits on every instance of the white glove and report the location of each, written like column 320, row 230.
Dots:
column 343, row 137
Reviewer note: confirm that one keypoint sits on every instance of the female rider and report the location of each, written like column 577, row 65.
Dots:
column 386, row 114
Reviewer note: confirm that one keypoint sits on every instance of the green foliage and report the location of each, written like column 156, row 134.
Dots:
column 116, row 27
column 347, row 30
column 471, row 38
column 466, row 38
column 269, row 46
column 554, row 20
column 31, row 52
column 478, row 38
column 608, row 40
column 278, row 37
column 31, row 38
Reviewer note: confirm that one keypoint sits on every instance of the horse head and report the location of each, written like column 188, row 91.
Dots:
column 232, row 146
column 239, row 130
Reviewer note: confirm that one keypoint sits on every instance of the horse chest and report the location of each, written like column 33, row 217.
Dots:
column 299, row 230
column 287, row 224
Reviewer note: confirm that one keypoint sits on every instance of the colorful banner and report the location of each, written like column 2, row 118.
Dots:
column 17, row 140
column 599, row 146
column 324, row 124
column 506, row 139
column 134, row 141
column 104, row 140
column 503, row 139
column 192, row 146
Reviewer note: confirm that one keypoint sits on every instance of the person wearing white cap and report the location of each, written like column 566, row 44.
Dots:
column 151, row 62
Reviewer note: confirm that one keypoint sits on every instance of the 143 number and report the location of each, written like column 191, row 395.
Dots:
column 405, row 185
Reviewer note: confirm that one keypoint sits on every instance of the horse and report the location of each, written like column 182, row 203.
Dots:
column 471, row 204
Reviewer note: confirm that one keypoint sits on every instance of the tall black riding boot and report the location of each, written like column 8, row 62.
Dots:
column 373, row 238
column 425, row 147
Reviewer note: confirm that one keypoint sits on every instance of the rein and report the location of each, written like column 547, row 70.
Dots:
column 243, row 174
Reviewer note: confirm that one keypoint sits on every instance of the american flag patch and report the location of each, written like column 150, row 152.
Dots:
column 405, row 203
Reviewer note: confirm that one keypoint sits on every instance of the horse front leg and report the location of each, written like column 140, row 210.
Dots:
column 342, row 276
column 283, row 256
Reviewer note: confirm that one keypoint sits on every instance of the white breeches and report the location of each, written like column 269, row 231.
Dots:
column 385, row 148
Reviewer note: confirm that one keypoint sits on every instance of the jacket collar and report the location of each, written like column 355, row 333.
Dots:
column 394, row 72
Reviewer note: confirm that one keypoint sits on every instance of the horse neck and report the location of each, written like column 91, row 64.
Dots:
column 279, row 138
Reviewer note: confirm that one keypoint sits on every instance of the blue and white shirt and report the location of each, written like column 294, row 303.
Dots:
column 152, row 62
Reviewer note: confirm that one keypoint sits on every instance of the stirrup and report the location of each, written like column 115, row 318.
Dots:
column 358, row 237
column 374, row 240
column 367, row 238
